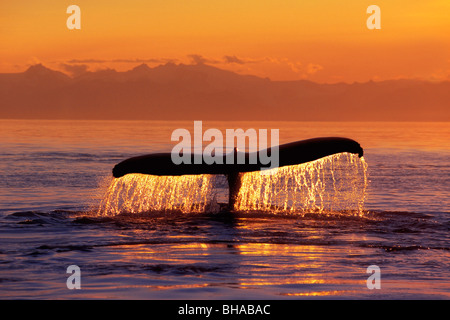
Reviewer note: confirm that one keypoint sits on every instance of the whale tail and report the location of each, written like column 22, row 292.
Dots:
column 294, row 153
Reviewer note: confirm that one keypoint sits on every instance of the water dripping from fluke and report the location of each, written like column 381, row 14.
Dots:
column 320, row 175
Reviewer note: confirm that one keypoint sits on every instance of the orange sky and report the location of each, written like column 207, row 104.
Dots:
column 320, row 40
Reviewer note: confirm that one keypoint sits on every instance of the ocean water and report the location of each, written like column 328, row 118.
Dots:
column 54, row 176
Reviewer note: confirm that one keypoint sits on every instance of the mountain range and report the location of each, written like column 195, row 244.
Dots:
column 203, row 92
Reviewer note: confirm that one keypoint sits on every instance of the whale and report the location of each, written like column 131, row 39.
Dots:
column 293, row 153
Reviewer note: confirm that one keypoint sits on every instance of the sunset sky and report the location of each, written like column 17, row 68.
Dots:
column 321, row 40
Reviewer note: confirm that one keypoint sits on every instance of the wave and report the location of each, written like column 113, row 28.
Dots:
column 403, row 248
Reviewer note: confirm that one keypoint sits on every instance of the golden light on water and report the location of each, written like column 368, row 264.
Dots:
column 136, row 193
column 256, row 266
column 331, row 184
column 318, row 293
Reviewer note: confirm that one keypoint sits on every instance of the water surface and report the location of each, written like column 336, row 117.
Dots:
column 53, row 176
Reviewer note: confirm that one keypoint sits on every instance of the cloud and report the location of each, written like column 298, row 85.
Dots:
column 87, row 61
column 275, row 66
column 240, row 60
column 199, row 59
column 75, row 69
column 272, row 67
column 33, row 61
column 295, row 66
column 233, row 59
column 313, row 68
column 136, row 60
column 152, row 60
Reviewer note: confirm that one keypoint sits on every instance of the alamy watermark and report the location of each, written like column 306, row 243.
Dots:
column 74, row 280
column 228, row 149
column 374, row 20
column 73, row 22
column 374, row 280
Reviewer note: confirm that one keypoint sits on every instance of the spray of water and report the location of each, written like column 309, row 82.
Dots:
column 136, row 193
column 332, row 184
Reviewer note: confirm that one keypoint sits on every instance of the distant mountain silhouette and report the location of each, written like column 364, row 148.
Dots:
column 39, row 72
column 203, row 92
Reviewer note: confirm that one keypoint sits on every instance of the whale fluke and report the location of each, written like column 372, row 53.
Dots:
column 293, row 153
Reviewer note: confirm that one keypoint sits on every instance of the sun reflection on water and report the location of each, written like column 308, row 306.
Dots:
column 290, row 270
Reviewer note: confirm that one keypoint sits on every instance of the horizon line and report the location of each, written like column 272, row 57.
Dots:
column 138, row 63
